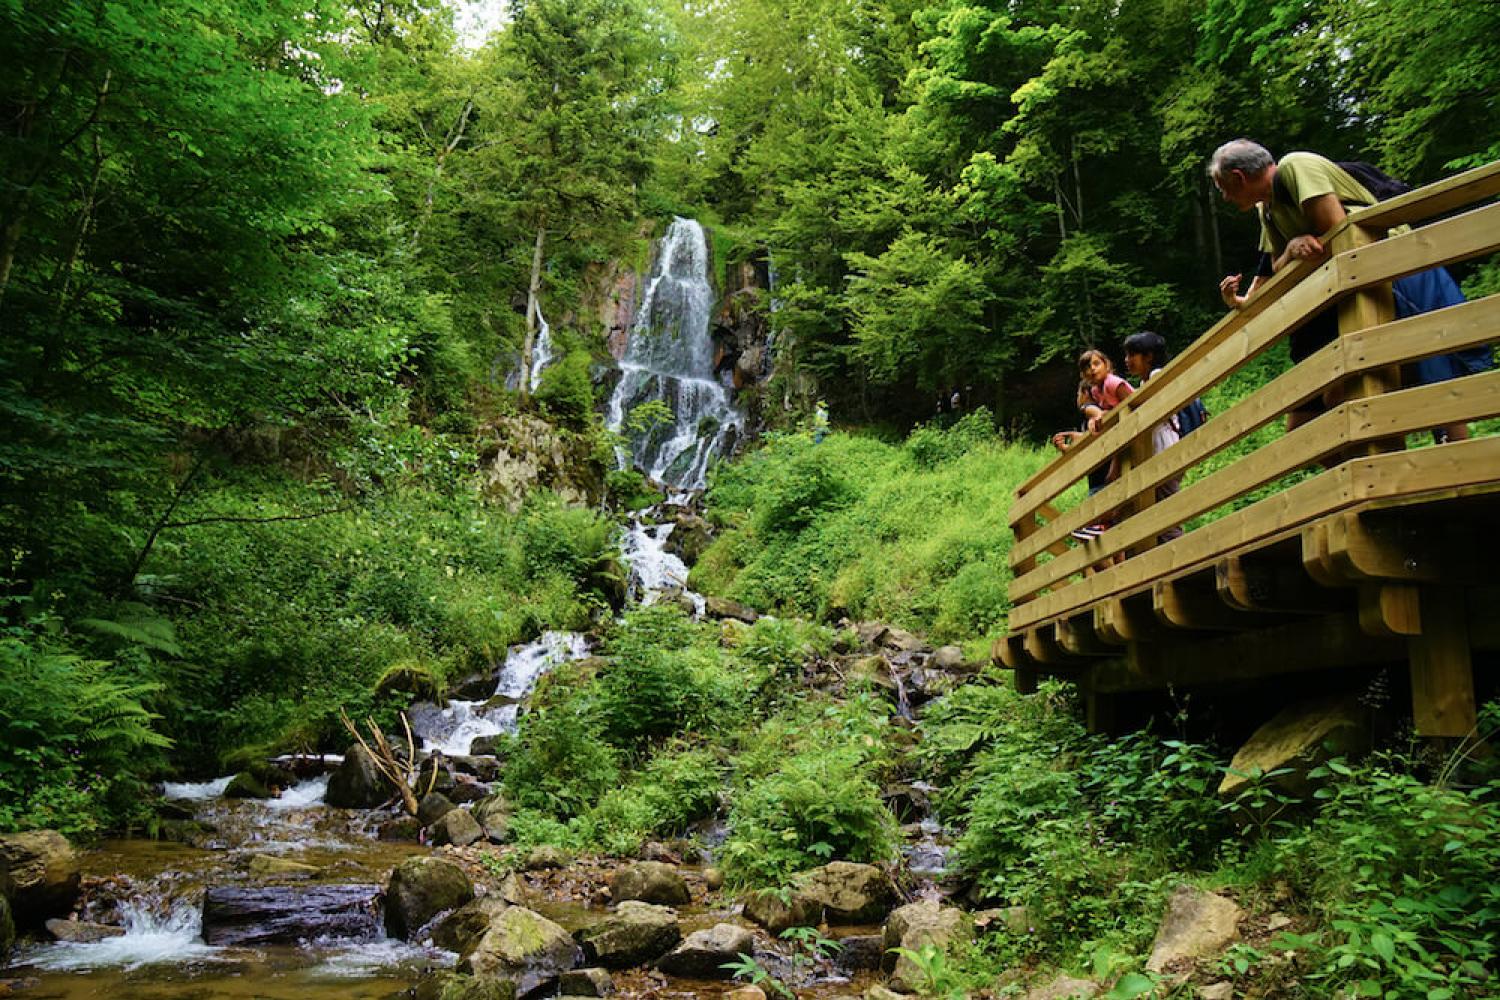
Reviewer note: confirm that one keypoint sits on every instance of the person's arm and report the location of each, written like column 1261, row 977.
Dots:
column 1229, row 290
column 1323, row 212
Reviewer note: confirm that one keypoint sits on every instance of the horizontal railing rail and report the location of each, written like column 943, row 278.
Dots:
column 1368, row 414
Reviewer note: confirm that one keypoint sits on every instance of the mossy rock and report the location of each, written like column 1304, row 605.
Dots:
column 246, row 786
column 420, row 889
column 445, row 985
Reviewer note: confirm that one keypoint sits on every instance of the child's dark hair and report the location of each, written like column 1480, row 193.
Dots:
column 1152, row 345
column 1087, row 357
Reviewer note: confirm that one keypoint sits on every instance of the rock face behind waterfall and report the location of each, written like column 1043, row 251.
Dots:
column 671, row 357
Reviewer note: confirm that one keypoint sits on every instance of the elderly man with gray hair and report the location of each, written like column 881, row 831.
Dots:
column 1299, row 198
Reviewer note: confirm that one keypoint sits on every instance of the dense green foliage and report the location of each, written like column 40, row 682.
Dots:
column 847, row 526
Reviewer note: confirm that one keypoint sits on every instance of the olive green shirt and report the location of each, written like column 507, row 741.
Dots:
column 1304, row 176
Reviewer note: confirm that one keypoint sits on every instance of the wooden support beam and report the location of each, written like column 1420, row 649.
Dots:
column 1025, row 680
column 1077, row 637
column 1309, row 644
column 1390, row 609
column 1249, row 583
column 1412, row 546
column 1366, row 308
column 1194, row 605
column 1120, row 622
column 1442, row 672
column 1483, row 605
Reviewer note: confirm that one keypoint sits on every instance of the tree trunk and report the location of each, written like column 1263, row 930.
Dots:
column 533, row 308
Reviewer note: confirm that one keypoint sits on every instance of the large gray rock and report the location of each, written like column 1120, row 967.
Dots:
column 586, row 983
column 1299, row 738
column 434, row 806
column 235, row 916
column 636, row 933
column 849, row 893
column 777, row 913
column 456, row 827
column 356, row 783
column 1197, row 924
column 723, row 607
column 690, row 536
column 703, row 954
column 420, row 889
column 649, row 882
column 522, row 947
column 459, row 930
column 916, row 926
column 42, row 870
column 1065, row 988
column 492, row 813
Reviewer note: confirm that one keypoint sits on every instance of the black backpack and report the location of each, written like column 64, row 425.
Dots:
column 1379, row 183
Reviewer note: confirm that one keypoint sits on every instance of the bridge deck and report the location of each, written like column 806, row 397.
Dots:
column 1332, row 545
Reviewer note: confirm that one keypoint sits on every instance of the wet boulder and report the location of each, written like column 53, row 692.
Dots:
column 636, row 933
column 81, row 931
column 1296, row 740
column 466, row 790
column 357, row 783
column 459, row 930
column 777, row 912
column 41, row 869
column 492, row 813
column 521, row 947
column 703, row 954
column 456, row 827
column 859, row 952
column 849, row 893
column 481, row 767
column 284, row 914
column 434, row 774
column 476, row 687
column 722, row 607
column 246, row 786
column 920, row 925
column 483, row 747
column 434, row 806
column 586, row 983
column 420, row 889
column 649, row 882
column 400, row 828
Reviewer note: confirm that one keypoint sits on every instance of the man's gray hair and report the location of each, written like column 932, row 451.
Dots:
column 1240, row 154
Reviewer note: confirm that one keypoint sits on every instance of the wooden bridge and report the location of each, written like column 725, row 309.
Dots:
column 1334, row 545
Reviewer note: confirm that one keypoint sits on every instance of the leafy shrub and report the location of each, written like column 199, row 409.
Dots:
column 557, row 538
column 677, row 786
column 75, row 730
column 566, row 391
column 1402, row 871
column 930, row 445
column 560, row 764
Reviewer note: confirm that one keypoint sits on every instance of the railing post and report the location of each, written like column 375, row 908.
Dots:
column 1367, row 307
column 1133, row 456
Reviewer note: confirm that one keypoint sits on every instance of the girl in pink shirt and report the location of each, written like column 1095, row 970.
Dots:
column 1105, row 391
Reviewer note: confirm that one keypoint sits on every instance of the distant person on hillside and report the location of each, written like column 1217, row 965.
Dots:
column 1298, row 199
column 820, row 422
column 1145, row 355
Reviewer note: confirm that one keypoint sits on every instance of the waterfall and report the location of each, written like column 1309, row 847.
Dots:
column 670, row 357
column 542, row 355
column 453, row 728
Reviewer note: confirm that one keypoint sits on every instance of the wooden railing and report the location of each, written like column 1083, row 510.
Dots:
column 1359, row 439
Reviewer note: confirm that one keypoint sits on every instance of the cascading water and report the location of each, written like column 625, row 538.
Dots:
column 542, row 355
column 653, row 570
column 453, row 729
column 670, row 357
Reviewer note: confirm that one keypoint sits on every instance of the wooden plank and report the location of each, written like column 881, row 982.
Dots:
column 1458, row 464
column 1247, row 342
column 1472, row 324
column 1043, row 648
column 1439, row 198
column 1442, row 672
column 1390, row 609
column 1472, row 234
column 1377, row 418
column 1122, row 622
column 1299, row 646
